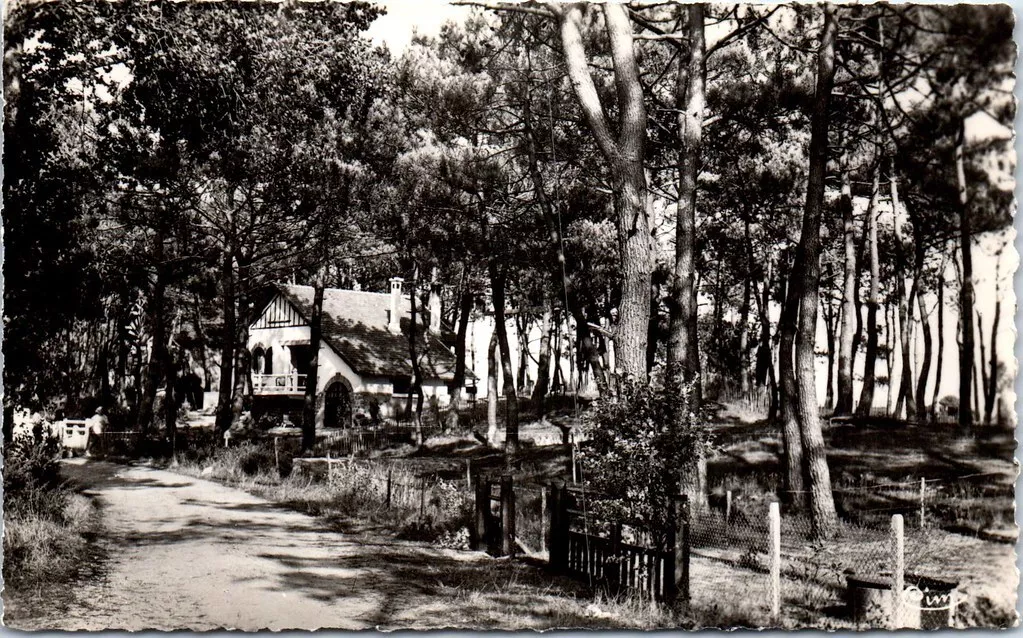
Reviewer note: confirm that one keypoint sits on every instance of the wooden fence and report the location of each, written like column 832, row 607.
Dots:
column 602, row 559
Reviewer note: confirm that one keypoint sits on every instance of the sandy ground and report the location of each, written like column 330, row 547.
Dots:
column 184, row 553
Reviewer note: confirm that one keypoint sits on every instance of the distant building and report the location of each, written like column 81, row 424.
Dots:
column 364, row 364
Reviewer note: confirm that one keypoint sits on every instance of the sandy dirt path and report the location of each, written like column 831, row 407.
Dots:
column 184, row 553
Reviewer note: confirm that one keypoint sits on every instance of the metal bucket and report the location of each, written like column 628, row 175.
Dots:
column 870, row 604
column 936, row 598
column 927, row 603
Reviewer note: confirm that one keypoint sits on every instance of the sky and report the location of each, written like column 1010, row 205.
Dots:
column 403, row 17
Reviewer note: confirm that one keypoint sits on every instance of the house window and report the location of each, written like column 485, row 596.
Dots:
column 401, row 385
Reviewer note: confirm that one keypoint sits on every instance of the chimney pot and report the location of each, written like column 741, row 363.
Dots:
column 394, row 318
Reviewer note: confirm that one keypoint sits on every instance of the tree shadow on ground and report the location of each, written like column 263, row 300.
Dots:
column 417, row 587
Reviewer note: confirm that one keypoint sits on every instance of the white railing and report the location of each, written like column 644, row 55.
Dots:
column 278, row 383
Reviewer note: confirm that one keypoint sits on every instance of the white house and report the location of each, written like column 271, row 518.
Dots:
column 364, row 364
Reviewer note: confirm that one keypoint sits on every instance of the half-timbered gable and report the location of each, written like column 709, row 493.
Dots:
column 363, row 355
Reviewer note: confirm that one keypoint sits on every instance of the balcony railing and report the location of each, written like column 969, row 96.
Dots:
column 278, row 383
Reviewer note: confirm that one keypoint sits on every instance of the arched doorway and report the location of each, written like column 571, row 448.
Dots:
column 337, row 406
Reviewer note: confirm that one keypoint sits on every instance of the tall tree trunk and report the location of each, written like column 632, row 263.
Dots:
column 966, row 290
column 227, row 341
column 765, row 357
column 765, row 343
column 925, row 365
column 991, row 392
column 170, row 399
column 905, row 302
column 717, row 320
column 823, row 517
column 458, row 382
column 941, row 343
column 891, row 334
column 625, row 156
column 154, row 370
column 978, row 383
column 873, row 301
column 589, row 353
column 511, row 425
column 312, row 379
column 242, row 366
column 829, row 328
column 558, row 385
column 981, row 366
column 413, row 351
column 683, row 348
column 851, row 274
column 744, row 367
column 543, row 368
column 492, row 389
column 793, row 484
column 522, row 336
column 858, row 300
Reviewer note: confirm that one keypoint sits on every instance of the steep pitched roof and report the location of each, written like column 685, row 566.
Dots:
column 354, row 324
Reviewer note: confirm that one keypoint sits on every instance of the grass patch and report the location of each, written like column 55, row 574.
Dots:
column 418, row 507
column 47, row 526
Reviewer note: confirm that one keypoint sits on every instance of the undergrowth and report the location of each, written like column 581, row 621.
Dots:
column 46, row 524
column 351, row 492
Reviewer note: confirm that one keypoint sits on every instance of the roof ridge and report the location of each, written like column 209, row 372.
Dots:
column 345, row 290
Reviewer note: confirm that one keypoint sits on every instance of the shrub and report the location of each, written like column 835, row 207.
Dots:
column 257, row 461
column 44, row 522
column 640, row 441
column 31, row 465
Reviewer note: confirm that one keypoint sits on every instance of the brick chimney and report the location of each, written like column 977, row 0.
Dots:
column 435, row 310
column 394, row 318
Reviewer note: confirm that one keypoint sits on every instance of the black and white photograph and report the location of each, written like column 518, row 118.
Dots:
column 508, row 315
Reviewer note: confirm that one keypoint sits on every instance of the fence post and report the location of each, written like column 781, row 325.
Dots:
column 422, row 497
column 612, row 560
column 468, row 474
column 478, row 531
column 575, row 469
column 682, row 562
column 671, row 562
column 774, row 520
column 507, row 516
column 728, row 506
column 388, row 501
column 898, row 569
column 676, row 568
column 923, row 491
column 543, row 520
column 558, row 558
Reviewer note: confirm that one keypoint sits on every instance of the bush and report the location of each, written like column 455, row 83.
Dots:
column 31, row 465
column 639, row 443
column 44, row 522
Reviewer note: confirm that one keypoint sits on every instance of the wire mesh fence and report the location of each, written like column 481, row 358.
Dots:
column 741, row 576
column 730, row 567
column 744, row 570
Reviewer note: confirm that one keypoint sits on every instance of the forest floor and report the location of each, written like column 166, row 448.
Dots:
column 177, row 552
